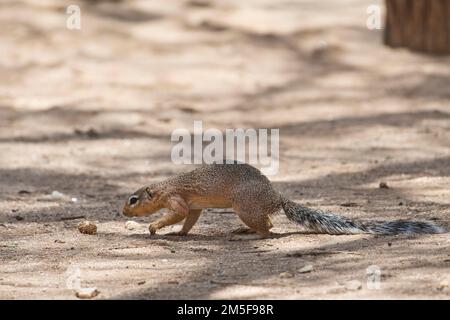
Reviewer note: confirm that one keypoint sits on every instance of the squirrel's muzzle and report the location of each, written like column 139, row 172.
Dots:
column 127, row 212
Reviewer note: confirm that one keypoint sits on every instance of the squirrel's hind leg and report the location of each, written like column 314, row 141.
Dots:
column 254, row 201
column 259, row 223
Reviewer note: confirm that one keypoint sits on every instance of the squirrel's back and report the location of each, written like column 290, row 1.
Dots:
column 220, row 178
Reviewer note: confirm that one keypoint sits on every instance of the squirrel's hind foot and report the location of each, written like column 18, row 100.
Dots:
column 243, row 230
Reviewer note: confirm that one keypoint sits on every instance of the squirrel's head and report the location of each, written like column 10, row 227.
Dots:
column 143, row 202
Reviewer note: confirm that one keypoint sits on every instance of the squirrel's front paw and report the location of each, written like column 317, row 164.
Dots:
column 152, row 228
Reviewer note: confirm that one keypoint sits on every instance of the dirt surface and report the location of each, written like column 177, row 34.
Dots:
column 89, row 112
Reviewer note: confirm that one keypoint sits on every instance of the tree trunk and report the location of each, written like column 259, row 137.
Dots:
column 420, row 25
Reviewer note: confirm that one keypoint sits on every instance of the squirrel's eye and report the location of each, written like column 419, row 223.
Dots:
column 133, row 200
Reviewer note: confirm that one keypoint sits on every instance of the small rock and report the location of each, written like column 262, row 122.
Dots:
column 131, row 225
column 286, row 275
column 442, row 285
column 400, row 203
column 140, row 283
column 353, row 285
column 384, row 185
column 74, row 199
column 19, row 218
column 59, row 241
column 58, row 195
column 24, row 192
column 92, row 133
column 307, row 268
column 54, row 196
column 87, row 227
column 87, row 293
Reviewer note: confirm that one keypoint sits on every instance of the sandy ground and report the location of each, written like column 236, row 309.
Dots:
column 89, row 113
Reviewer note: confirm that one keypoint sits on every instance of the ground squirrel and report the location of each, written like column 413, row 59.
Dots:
column 251, row 195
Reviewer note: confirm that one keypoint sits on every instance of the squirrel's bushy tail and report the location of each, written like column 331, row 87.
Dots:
column 323, row 222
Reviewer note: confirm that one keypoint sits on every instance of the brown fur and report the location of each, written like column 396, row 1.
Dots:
column 238, row 186
column 244, row 188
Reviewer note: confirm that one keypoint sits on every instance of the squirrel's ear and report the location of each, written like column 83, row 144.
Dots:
column 178, row 205
column 149, row 193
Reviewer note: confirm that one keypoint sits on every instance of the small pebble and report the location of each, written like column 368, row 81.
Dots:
column 87, row 293
column 442, row 285
column 384, row 185
column 307, row 268
column 286, row 275
column 87, row 227
column 58, row 195
column 54, row 196
column 131, row 225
